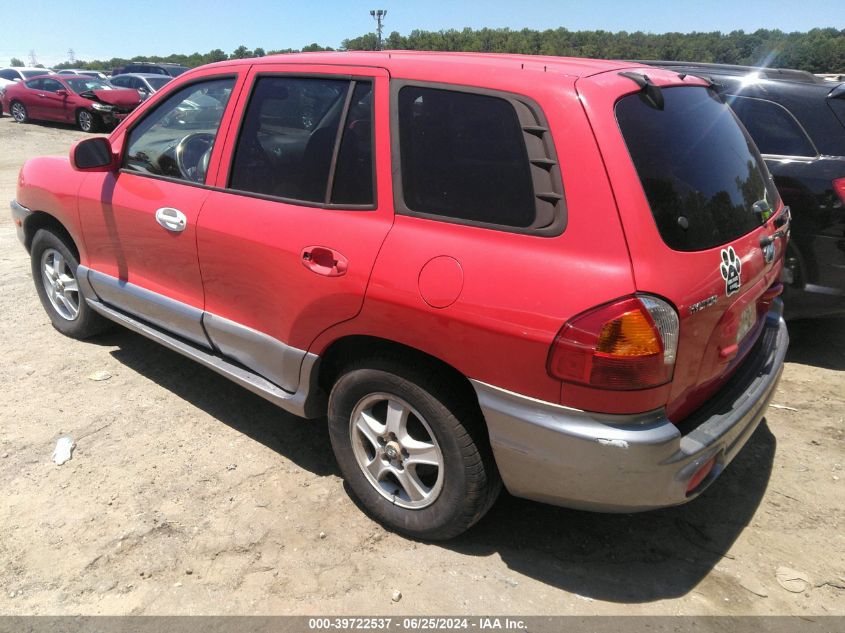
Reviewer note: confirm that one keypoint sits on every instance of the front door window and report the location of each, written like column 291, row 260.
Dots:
column 177, row 138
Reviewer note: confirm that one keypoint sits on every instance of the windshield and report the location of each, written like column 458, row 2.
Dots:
column 33, row 73
column 175, row 71
column 702, row 174
column 157, row 82
column 83, row 84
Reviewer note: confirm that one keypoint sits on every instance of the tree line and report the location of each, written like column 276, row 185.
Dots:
column 817, row 50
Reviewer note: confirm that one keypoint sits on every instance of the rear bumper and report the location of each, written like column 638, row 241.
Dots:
column 615, row 463
column 19, row 215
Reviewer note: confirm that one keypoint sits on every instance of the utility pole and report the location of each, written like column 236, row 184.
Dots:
column 71, row 56
column 33, row 60
column 378, row 16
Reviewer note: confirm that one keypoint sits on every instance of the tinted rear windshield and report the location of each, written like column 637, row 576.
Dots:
column 701, row 172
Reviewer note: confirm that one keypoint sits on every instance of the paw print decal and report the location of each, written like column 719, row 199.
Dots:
column 730, row 269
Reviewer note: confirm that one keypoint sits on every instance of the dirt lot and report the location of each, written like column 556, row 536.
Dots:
column 187, row 494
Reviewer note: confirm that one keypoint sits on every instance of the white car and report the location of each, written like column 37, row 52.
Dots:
column 78, row 71
column 19, row 73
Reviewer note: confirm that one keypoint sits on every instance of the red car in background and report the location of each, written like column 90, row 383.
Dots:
column 89, row 102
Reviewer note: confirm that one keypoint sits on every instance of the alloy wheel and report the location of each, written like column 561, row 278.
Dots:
column 60, row 284
column 396, row 450
column 86, row 121
column 18, row 112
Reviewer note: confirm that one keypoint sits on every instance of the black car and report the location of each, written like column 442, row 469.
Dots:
column 151, row 68
column 798, row 122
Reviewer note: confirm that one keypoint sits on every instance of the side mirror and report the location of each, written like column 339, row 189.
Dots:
column 93, row 154
column 61, row 92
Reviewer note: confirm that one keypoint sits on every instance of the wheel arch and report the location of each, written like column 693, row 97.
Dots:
column 42, row 220
column 354, row 347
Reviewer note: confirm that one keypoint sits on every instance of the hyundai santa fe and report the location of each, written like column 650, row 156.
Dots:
column 556, row 275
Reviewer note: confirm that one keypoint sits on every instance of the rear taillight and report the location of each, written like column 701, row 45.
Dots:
column 839, row 188
column 628, row 344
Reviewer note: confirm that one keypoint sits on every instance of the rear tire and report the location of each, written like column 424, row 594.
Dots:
column 431, row 476
column 54, row 270
column 18, row 112
column 87, row 121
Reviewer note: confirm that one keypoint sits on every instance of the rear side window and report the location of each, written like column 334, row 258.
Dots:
column 701, row 173
column 307, row 139
column 772, row 127
column 50, row 85
column 463, row 157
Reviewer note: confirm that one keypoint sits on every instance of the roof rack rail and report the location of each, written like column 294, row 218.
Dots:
column 787, row 74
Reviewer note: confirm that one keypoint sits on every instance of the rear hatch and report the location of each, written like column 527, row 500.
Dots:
column 701, row 214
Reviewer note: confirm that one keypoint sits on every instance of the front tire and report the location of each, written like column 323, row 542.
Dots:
column 412, row 449
column 18, row 112
column 54, row 270
column 87, row 121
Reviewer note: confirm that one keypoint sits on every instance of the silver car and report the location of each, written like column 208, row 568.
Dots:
column 145, row 83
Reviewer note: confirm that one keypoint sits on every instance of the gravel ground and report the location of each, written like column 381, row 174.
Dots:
column 189, row 495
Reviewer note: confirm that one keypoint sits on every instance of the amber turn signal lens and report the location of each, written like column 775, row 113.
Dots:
column 631, row 334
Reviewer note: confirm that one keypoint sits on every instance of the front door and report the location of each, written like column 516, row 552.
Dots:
column 51, row 106
column 140, row 222
column 288, row 238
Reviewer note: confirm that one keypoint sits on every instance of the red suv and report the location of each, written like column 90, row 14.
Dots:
column 556, row 274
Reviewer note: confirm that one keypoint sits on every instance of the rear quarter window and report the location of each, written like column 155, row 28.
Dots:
column 471, row 158
column 773, row 128
column 700, row 171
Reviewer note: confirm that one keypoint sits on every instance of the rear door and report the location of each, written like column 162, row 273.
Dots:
column 697, row 204
column 288, row 237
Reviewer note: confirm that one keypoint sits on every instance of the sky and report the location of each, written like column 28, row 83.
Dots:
column 102, row 29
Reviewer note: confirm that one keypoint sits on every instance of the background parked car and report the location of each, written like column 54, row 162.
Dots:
column 90, row 103
column 79, row 71
column 19, row 73
column 10, row 76
column 172, row 70
column 798, row 121
column 145, row 83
